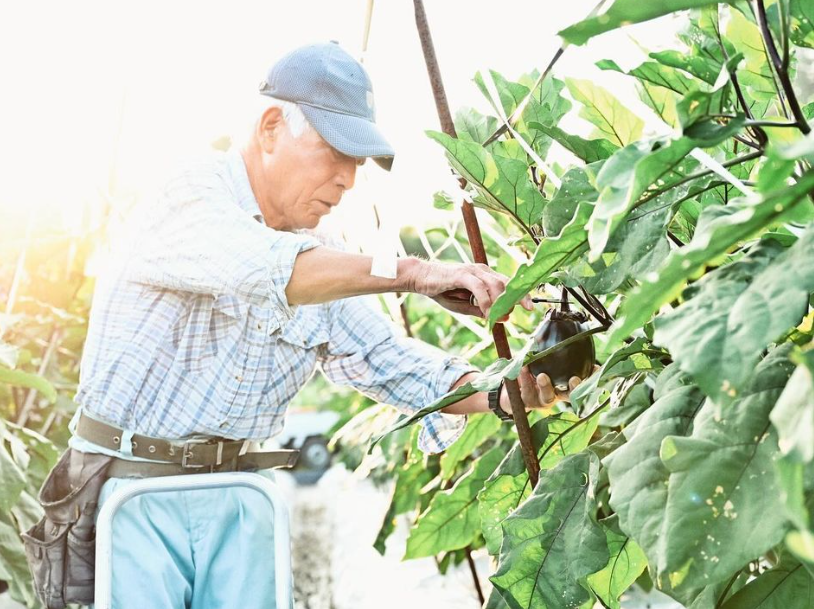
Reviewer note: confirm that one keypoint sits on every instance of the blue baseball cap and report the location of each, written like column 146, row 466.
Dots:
column 335, row 94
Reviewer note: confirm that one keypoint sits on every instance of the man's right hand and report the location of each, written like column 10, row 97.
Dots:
column 452, row 286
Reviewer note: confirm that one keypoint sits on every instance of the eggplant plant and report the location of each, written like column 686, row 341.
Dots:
column 685, row 461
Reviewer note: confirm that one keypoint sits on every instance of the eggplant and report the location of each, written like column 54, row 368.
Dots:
column 576, row 359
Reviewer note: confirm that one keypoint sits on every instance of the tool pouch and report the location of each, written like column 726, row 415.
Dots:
column 61, row 548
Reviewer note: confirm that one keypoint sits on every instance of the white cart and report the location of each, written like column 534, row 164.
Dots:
column 104, row 525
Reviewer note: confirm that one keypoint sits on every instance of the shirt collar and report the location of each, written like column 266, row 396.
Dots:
column 243, row 188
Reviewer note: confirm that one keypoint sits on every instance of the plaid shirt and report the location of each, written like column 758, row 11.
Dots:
column 191, row 333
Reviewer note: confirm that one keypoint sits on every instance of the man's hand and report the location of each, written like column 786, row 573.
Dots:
column 454, row 285
column 538, row 392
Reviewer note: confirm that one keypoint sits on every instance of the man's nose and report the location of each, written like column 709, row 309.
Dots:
column 346, row 176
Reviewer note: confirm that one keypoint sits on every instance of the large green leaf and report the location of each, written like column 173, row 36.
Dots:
column 627, row 175
column 554, row 438
column 703, row 67
column 627, row 561
column 28, row 379
column 793, row 415
column 756, row 74
column 654, row 73
column 553, row 541
column 451, row 521
column 732, row 314
column 802, row 22
column 589, row 151
column 785, row 586
column 474, row 126
column 552, row 254
column 718, row 230
column 612, row 120
column 724, row 506
column 479, row 429
column 578, row 186
column 13, row 564
column 662, row 101
column 12, row 476
column 637, row 476
column 503, row 182
column 626, row 12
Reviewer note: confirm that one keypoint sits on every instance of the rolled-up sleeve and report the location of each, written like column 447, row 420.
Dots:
column 365, row 352
column 195, row 238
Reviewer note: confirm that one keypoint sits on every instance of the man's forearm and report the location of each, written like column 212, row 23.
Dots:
column 323, row 274
column 473, row 404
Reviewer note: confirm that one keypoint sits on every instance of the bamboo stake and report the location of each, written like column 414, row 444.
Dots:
column 476, row 243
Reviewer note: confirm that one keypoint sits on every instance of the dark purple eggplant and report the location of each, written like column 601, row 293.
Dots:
column 576, row 359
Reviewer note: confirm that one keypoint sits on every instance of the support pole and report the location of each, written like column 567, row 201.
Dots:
column 521, row 420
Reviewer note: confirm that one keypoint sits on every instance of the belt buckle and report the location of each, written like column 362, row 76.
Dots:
column 188, row 454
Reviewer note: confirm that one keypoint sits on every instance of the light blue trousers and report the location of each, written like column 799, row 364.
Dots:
column 200, row 549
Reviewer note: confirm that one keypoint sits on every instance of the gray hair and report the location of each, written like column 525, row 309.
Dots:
column 294, row 118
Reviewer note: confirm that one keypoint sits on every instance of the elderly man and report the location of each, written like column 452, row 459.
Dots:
column 218, row 315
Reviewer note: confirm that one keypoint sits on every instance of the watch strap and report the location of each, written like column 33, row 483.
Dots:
column 494, row 404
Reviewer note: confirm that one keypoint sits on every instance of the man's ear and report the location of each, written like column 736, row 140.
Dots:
column 269, row 127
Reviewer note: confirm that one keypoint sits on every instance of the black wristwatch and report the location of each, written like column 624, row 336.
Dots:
column 494, row 404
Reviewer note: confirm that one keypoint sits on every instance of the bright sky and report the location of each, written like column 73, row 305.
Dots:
column 96, row 90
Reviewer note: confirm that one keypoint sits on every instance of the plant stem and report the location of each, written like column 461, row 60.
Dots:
column 781, row 68
column 521, row 420
column 474, row 571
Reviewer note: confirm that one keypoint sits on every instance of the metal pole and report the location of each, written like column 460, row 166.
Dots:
column 521, row 421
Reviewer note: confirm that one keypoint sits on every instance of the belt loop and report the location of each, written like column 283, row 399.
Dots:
column 245, row 448
column 219, row 458
column 126, row 446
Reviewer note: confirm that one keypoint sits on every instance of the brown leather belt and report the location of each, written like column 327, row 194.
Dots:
column 191, row 457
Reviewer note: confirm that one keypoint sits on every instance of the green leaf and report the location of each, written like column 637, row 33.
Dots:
column 554, row 438
column 473, row 126
column 612, row 120
column 479, row 429
column 786, row 585
column 27, row 379
column 589, row 151
column 662, row 101
column 589, row 385
column 626, row 176
column 703, row 67
column 719, row 228
column 12, row 480
column 578, row 186
column 552, row 254
column 802, row 23
column 724, row 506
column 756, row 74
column 626, row 564
column 553, row 541
column 626, row 12
column 451, row 521
column 793, row 415
column 13, row 564
column 654, row 73
column 732, row 314
column 637, row 476
column 503, row 182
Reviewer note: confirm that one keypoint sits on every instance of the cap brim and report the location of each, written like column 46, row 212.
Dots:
column 351, row 135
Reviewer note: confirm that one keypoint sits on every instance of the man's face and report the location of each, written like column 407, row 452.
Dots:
column 304, row 177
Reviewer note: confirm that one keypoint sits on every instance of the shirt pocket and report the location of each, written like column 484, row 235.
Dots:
column 212, row 324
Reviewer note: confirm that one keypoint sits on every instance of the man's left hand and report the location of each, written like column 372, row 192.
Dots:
column 538, row 392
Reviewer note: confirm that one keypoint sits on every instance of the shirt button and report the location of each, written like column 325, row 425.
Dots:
column 238, row 378
column 259, row 326
column 223, row 423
